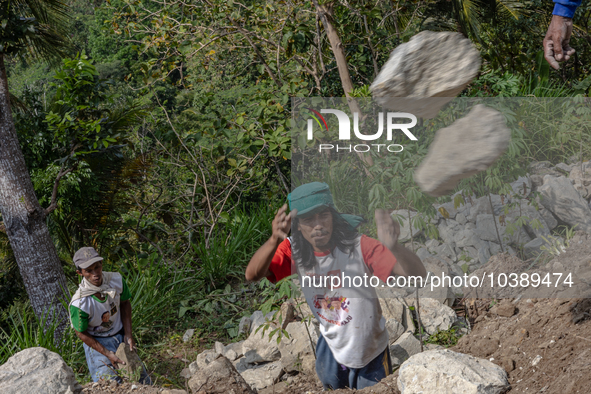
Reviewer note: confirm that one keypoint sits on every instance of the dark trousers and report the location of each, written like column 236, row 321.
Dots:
column 336, row 376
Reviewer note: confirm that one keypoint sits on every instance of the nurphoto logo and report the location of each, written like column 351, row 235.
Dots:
column 345, row 130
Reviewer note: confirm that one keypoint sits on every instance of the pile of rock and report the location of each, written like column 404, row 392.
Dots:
column 475, row 230
column 37, row 370
column 262, row 361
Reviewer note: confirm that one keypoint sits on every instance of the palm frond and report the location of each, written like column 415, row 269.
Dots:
column 512, row 8
column 36, row 27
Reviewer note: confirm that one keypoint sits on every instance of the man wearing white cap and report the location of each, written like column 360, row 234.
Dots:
column 100, row 313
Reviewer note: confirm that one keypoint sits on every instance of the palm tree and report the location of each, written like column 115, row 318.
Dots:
column 34, row 28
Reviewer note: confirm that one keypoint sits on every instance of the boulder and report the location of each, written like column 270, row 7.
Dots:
column 219, row 349
column 447, row 210
column 244, row 325
column 461, row 218
column 535, row 222
column 203, row 359
column 423, row 254
column 437, row 266
column 241, row 365
column 235, row 347
column 37, row 370
column 188, row 335
column 446, row 250
column 432, row 244
column 534, row 247
column 219, row 376
column 422, row 75
column 286, row 314
column 262, row 376
column 260, row 348
column 405, row 347
column 395, row 308
column 548, row 216
column 299, row 343
column 444, row 371
column 436, row 316
column 485, row 228
column 257, row 319
column 395, row 329
column 560, row 197
column 133, row 365
column 543, row 168
column 522, row 186
column 581, row 174
column 467, row 237
column 564, row 167
column 483, row 255
column 482, row 206
column 470, row 145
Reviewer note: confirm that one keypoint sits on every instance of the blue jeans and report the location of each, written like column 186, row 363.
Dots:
column 100, row 366
column 336, row 376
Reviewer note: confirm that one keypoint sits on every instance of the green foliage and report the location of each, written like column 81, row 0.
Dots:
column 37, row 26
column 446, row 338
column 80, row 121
column 20, row 329
column 274, row 295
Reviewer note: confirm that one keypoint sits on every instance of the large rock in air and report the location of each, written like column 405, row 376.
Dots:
column 470, row 145
column 422, row 75
column 443, row 371
column 219, row 376
column 560, row 197
column 37, row 370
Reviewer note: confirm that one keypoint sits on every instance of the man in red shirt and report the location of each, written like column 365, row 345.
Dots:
column 352, row 350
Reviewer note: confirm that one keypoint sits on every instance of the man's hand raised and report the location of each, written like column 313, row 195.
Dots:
column 282, row 223
column 556, row 42
column 388, row 228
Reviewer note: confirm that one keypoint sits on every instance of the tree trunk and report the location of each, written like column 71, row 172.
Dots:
column 24, row 222
column 325, row 13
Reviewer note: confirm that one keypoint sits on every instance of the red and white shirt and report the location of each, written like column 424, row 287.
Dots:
column 350, row 316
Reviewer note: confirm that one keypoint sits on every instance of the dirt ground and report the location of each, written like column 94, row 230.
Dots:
column 545, row 347
column 543, row 344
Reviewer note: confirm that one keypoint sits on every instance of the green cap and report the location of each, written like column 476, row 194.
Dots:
column 315, row 196
column 310, row 197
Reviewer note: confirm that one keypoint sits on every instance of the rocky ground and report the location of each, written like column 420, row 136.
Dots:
column 544, row 345
column 521, row 341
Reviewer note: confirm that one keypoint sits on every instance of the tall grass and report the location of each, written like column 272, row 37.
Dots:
column 225, row 256
column 157, row 290
column 22, row 330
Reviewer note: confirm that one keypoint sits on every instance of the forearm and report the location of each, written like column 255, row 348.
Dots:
column 92, row 343
column 126, row 317
column 258, row 267
column 565, row 8
column 407, row 261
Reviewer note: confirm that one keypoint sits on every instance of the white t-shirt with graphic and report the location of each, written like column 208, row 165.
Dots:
column 101, row 318
column 350, row 316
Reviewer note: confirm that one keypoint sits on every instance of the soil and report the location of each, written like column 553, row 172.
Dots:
column 543, row 344
column 111, row 387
